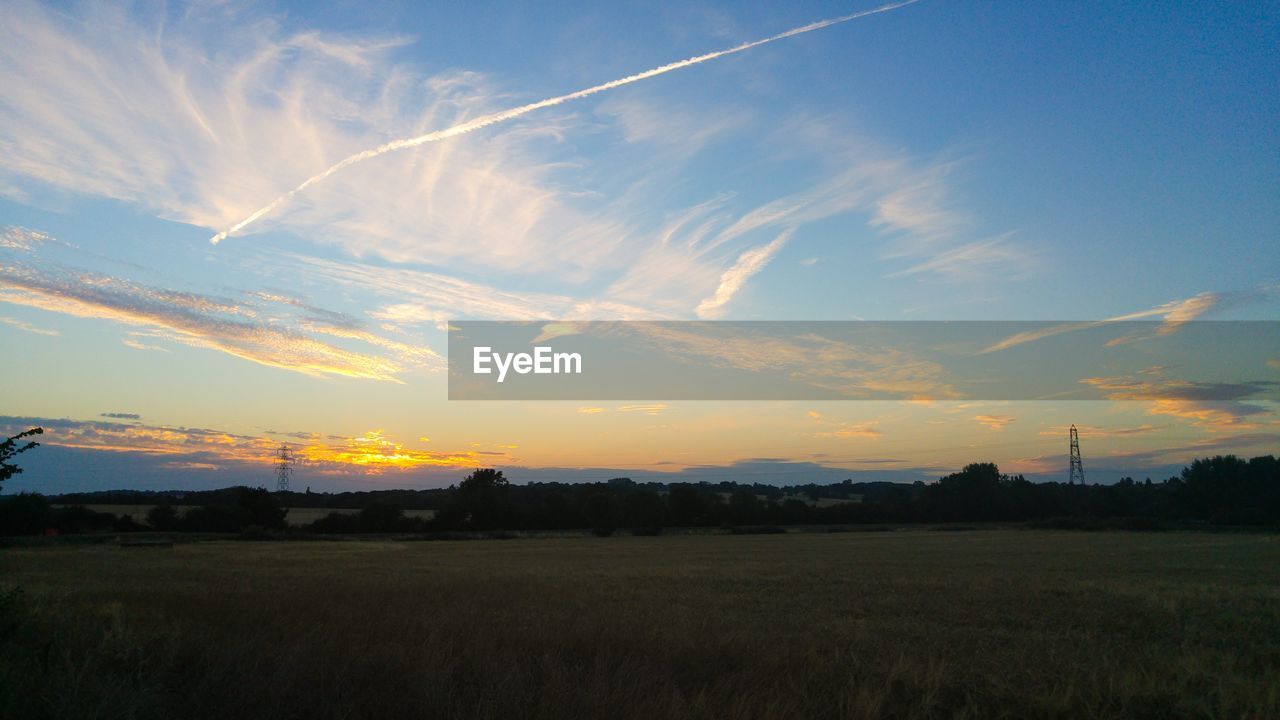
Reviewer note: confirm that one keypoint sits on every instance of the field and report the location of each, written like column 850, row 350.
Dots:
column 907, row 624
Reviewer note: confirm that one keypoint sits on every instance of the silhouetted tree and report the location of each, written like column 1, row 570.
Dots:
column 977, row 492
column 25, row 514
column 1227, row 489
column 381, row 518
column 645, row 512
column 236, row 509
column 213, row 518
column 483, row 496
column 261, row 508
column 687, row 506
column 744, row 508
column 11, row 448
column 162, row 517
column 78, row 519
column 600, row 512
column 337, row 523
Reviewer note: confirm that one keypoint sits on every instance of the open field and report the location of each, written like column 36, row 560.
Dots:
column 983, row 624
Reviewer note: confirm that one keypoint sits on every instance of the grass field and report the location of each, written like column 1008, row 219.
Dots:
column 908, row 624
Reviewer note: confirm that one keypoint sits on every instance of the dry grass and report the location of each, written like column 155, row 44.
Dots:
column 989, row 624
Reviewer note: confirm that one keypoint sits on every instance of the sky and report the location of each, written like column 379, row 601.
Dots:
column 942, row 160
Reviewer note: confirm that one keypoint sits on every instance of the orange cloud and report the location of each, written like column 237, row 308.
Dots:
column 1037, row 465
column 652, row 409
column 370, row 453
column 1214, row 406
column 374, row 452
column 1202, row 414
column 1095, row 431
column 995, row 422
column 847, row 430
column 853, row 431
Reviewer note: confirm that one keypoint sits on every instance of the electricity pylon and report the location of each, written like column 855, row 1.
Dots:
column 284, row 468
column 1077, row 467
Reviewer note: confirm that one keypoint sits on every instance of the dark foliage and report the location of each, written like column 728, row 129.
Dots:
column 1222, row 490
column 12, row 447
column 163, row 517
column 235, row 510
column 25, row 514
column 373, row 518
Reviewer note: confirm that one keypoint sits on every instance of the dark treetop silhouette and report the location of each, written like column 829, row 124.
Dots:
column 11, row 448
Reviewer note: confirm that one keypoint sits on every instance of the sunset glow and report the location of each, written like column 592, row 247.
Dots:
column 373, row 179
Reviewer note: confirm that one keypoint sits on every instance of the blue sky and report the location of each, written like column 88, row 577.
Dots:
column 943, row 160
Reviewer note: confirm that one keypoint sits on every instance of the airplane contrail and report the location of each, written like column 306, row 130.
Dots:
column 504, row 115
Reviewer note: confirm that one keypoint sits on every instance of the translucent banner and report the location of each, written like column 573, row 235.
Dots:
column 919, row 360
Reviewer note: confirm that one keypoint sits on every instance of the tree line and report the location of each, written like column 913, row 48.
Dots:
column 1221, row 490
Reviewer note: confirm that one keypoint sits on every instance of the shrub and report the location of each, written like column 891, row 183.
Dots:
column 162, row 517
column 25, row 514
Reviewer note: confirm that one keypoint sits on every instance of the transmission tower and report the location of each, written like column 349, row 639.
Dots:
column 1077, row 468
column 284, row 467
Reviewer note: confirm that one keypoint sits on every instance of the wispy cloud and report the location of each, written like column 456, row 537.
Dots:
column 27, row 327
column 865, row 431
column 748, row 264
column 1173, row 314
column 675, row 131
column 137, row 340
column 641, row 409
column 848, row 369
column 839, row 429
column 995, row 422
column 972, row 259
column 1033, row 465
column 1215, row 406
column 645, row 409
column 19, row 238
column 202, row 130
column 513, row 113
column 1185, row 452
column 242, row 329
column 1097, row 431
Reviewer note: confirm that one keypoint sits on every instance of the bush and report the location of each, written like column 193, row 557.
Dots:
column 162, row 517
column 126, row 524
column 78, row 519
column 214, row 518
column 373, row 518
column 380, row 518
column 25, row 514
column 336, row 523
